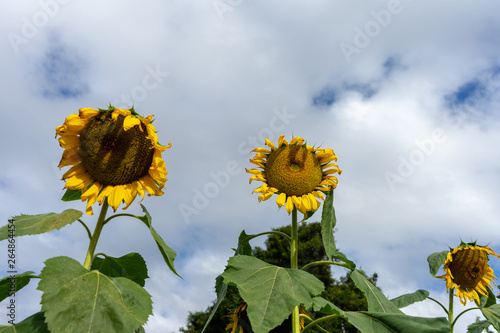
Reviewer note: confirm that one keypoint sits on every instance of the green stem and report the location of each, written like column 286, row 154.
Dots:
column 294, row 258
column 96, row 234
column 86, row 228
column 461, row 313
column 318, row 321
column 324, row 262
column 450, row 311
column 118, row 215
column 439, row 303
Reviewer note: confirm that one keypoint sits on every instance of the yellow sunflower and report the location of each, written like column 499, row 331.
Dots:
column 467, row 271
column 114, row 154
column 296, row 172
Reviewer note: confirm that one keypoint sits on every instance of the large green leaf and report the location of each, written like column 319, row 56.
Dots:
column 328, row 221
column 78, row 300
column 324, row 306
column 376, row 322
column 41, row 223
column 408, row 299
column 271, row 292
column 167, row 253
column 492, row 314
column 478, row 326
column 33, row 324
column 19, row 280
column 436, row 260
column 131, row 266
column 377, row 302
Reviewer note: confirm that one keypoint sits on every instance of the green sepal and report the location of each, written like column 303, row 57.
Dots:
column 131, row 266
column 32, row 324
column 21, row 280
column 436, row 260
column 271, row 292
column 408, row 299
column 71, row 195
column 167, row 253
column 78, row 300
column 41, row 223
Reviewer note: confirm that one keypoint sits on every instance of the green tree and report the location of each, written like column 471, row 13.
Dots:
column 341, row 292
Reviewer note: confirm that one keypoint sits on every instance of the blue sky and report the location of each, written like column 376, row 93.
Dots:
column 406, row 92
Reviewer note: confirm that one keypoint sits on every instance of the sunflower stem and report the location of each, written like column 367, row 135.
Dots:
column 96, row 234
column 294, row 258
column 450, row 311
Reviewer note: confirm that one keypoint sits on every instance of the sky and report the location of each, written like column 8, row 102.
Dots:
column 406, row 93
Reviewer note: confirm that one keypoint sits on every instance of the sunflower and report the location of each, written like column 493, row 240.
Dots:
column 467, row 271
column 296, row 172
column 114, row 154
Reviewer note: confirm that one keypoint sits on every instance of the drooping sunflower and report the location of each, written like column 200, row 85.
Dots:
column 114, row 154
column 468, row 272
column 296, row 172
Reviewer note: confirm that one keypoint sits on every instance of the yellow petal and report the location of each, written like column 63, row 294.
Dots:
column 270, row 144
column 116, row 196
column 281, row 199
column 70, row 156
column 289, row 205
column 131, row 121
column 88, row 112
column 104, row 194
column 69, row 141
column 74, row 170
column 117, row 112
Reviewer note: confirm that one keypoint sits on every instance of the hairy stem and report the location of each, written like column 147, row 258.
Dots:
column 96, row 234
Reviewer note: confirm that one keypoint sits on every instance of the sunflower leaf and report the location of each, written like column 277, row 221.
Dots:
column 324, row 306
column 41, row 223
column 271, row 292
column 131, row 266
column 328, row 222
column 32, row 324
column 243, row 244
column 478, row 326
column 492, row 314
column 436, row 260
column 377, row 302
column 72, row 195
column 376, row 322
column 408, row 299
column 20, row 280
column 221, row 289
column 167, row 253
column 78, row 300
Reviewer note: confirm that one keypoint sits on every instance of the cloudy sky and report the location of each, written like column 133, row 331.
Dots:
column 406, row 93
